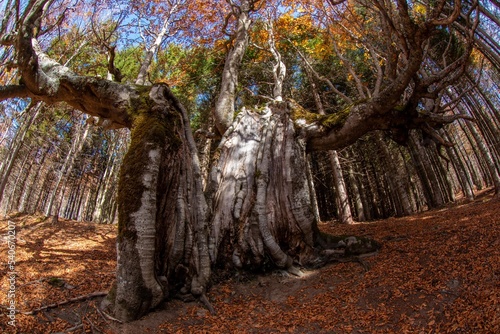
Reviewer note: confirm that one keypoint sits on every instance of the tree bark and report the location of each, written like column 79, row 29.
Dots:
column 356, row 192
column 261, row 199
column 64, row 172
column 344, row 208
column 224, row 106
column 258, row 212
column 345, row 214
column 464, row 179
column 162, row 237
column 487, row 156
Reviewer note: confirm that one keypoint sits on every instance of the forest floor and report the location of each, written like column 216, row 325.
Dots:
column 437, row 272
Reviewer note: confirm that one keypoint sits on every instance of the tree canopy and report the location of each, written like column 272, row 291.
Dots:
column 389, row 58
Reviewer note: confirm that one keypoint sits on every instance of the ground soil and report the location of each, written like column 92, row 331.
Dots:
column 437, row 272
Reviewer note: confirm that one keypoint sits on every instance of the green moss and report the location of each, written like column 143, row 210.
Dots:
column 337, row 119
column 142, row 103
column 298, row 112
column 330, row 121
column 152, row 128
column 111, row 296
column 56, row 281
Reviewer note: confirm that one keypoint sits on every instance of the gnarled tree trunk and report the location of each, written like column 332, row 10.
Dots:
column 256, row 212
column 162, row 243
column 260, row 195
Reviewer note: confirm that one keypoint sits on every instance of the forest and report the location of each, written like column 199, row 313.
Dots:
column 217, row 138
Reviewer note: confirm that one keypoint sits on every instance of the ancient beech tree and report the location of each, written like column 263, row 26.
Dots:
column 255, row 211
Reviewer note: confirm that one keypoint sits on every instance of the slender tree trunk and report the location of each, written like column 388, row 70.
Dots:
column 495, row 175
column 477, row 169
column 279, row 67
column 21, row 186
column 32, row 113
column 64, row 173
column 344, row 208
column 382, row 203
column 433, row 199
column 395, row 176
column 312, row 191
column 85, row 214
column 372, row 189
column 106, row 190
column 142, row 77
column 345, row 213
column 224, row 106
column 441, row 174
column 356, row 193
column 10, row 201
column 28, row 190
column 460, row 171
column 325, row 195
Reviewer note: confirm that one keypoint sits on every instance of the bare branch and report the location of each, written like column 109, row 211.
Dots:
column 448, row 19
column 434, row 135
column 12, row 91
column 324, row 79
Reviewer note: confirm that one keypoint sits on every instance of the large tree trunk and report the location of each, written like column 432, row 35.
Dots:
column 256, row 214
column 162, row 231
column 224, row 106
column 261, row 199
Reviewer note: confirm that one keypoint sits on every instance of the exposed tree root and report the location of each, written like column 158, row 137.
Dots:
column 333, row 255
column 69, row 301
column 74, row 328
column 345, row 249
column 295, row 271
column 106, row 316
column 206, row 302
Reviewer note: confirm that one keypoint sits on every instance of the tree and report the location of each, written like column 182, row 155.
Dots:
column 172, row 235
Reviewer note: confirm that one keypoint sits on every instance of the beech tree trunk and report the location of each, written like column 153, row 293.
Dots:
column 161, row 242
column 261, row 199
column 255, row 213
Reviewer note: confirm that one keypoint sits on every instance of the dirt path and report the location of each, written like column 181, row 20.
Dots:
column 437, row 272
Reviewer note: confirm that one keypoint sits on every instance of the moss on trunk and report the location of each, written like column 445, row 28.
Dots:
column 260, row 212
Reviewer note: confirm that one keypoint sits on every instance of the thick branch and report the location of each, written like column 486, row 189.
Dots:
column 447, row 19
column 46, row 80
column 362, row 119
column 12, row 91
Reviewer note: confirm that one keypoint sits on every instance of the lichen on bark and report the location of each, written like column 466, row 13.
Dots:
column 154, row 134
column 261, row 204
column 149, row 131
